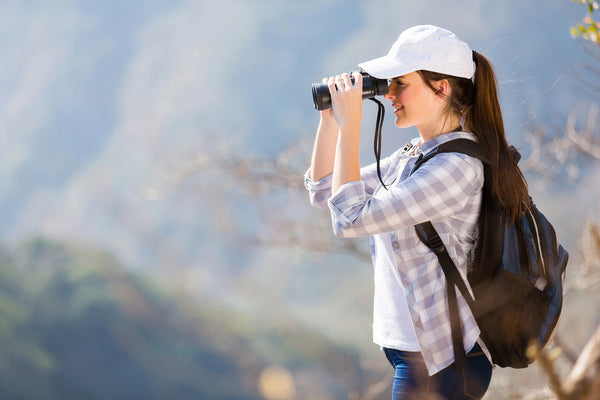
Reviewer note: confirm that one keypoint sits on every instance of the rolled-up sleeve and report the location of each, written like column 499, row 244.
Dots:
column 346, row 205
column 319, row 191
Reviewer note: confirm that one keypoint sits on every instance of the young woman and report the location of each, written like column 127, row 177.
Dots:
column 447, row 91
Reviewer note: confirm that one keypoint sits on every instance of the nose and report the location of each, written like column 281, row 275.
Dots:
column 391, row 93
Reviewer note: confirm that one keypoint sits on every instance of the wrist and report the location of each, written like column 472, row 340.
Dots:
column 328, row 126
column 328, row 118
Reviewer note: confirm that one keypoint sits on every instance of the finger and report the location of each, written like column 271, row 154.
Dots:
column 339, row 82
column 331, row 84
column 358, row 78
column 346, row 80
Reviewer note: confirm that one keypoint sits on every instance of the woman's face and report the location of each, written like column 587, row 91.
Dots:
column 414, row 102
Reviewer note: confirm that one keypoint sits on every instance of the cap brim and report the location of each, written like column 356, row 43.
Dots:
column 386, row 67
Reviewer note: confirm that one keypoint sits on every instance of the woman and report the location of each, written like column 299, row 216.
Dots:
column 447, row 91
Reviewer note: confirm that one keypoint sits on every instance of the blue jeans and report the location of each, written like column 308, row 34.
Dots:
column 412, row 381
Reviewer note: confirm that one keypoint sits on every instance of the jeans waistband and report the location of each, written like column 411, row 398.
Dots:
column 416, row 355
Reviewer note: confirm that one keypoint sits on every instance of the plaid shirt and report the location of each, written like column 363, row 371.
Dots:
column 446, row 190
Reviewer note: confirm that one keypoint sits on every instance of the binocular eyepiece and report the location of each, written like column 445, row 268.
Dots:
column 371, row 87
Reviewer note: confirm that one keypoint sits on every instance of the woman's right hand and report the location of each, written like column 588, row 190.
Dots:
column 327, row 116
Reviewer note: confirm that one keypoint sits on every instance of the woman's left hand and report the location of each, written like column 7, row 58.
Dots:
column 346, row 100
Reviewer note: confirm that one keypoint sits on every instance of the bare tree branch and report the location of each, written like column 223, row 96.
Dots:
column 588, row 274
column 556, row 152
column 545, row 360
column 583, row 382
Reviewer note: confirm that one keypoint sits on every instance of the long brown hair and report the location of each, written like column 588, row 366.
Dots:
column 477, row 101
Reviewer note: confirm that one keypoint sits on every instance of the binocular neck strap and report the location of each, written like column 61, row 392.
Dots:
column 377, row 140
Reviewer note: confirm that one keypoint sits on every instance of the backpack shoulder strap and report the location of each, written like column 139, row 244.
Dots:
column 429, row 236
column 463, row 146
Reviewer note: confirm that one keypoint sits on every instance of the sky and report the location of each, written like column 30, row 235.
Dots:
column 103, row 104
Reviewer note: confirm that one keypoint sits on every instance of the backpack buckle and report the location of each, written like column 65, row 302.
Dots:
column 430, row 238
column 436, row 244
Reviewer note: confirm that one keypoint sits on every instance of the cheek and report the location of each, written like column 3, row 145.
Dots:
column 418, row 99
column 404, row 96
column 411, row 95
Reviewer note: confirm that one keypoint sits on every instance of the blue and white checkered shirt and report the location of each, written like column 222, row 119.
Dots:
column 446, row 190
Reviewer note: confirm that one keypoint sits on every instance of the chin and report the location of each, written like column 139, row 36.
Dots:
column 401, row 124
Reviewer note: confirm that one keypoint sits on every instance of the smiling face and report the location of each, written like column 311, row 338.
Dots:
column 416, row 104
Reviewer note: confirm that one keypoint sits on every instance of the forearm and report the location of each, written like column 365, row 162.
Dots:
column 347, row 158
column 324, row 148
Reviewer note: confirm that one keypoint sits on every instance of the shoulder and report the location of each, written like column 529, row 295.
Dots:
column 453, row 168
column 454, row 161
column 460, row 149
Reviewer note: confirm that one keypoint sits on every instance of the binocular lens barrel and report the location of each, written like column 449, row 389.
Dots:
column 371, row 87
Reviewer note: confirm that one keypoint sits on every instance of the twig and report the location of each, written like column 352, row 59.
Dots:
column 583, row 382
column 546, row 360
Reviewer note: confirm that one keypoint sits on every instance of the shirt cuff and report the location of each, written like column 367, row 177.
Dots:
column 322, row 184
column 346, row 204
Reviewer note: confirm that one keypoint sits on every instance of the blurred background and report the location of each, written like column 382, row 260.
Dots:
column 156, row 239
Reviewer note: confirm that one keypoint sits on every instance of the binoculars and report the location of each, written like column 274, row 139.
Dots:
column 371, row 87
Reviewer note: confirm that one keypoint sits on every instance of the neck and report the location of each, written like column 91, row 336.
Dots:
column 446, row 125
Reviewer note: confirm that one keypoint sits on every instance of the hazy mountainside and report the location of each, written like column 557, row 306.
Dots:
column 77, row 326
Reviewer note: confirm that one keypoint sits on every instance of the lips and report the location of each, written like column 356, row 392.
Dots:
column 398, row 108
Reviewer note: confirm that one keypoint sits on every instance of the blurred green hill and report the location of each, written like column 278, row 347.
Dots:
column 75, row 325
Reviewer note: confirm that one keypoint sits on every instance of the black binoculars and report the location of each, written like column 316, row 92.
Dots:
column 371, row 87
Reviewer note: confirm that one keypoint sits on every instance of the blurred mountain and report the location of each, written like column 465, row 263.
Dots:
column 77, row 326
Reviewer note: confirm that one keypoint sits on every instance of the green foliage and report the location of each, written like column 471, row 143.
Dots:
column 589, row 28
column 75, row 325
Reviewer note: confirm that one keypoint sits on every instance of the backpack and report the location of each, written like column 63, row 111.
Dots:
column 516, row 271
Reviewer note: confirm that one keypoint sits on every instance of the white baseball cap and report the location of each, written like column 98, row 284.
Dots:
column 424, row 47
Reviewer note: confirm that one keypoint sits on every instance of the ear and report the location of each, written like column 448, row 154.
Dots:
column 442, row 88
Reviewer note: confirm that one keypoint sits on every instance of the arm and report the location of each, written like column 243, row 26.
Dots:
column 323, row 153
column 332, row 155
column 439, row 189
column 346, row 100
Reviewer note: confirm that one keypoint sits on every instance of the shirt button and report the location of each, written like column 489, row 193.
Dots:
column 395, row 245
